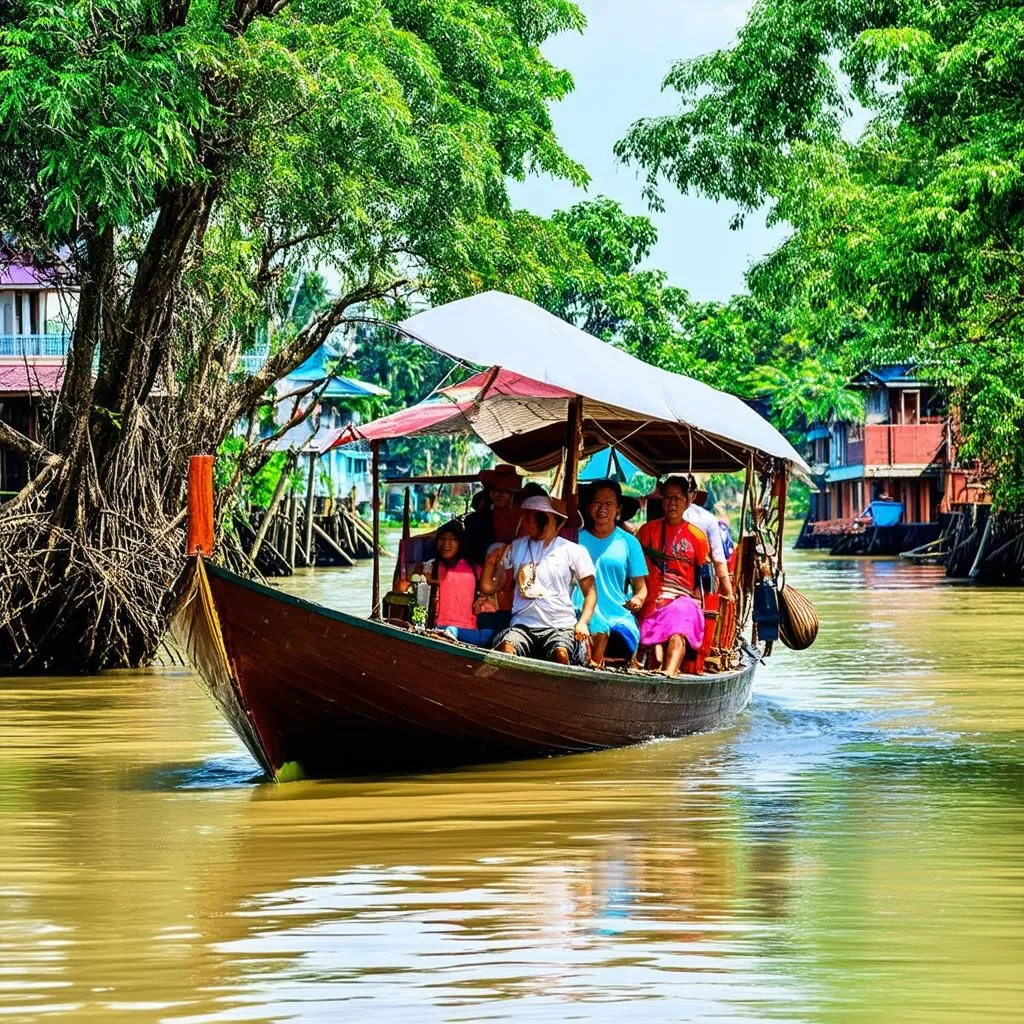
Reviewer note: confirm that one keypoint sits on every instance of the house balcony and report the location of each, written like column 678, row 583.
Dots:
column 254, row 359
column 904, row 445
column 56, row 346
column 34, row 346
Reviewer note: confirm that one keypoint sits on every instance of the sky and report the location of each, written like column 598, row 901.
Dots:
column 618, row 64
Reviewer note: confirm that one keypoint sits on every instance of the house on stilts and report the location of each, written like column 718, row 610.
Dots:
column 887, row 483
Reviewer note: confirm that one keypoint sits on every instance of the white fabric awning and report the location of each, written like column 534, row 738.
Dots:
column 495, row 329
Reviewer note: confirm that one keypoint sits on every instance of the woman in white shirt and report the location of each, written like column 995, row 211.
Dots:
column 546, row 568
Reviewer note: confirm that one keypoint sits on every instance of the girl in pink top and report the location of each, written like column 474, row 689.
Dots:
column 456, row 582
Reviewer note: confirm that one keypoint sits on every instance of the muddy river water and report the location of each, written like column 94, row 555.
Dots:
column 851, row 849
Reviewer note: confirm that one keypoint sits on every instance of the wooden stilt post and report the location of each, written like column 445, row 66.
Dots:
column 293, row 529
column 375, row 610
column 282, row 482
column 311, row 485
column 348, row 531
column 199, row 533
column 333, row 545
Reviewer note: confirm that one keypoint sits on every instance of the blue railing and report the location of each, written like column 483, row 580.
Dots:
column 27, row 345
column 254, row 359
column 21, row 346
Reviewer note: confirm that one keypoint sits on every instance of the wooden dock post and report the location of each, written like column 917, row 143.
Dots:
column 334, row 545
column 309, row 509
column 199, row 532
column 261, row 533
column 293, row 529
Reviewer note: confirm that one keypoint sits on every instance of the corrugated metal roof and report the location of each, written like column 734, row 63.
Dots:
column 21, row 276
column 339, row 387
column 898, row 374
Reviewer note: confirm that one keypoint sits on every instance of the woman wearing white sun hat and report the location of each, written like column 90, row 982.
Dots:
column 546, row 569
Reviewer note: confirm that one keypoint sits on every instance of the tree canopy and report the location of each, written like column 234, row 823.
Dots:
column 608, row 291
column 907, row 240
column 178, row 160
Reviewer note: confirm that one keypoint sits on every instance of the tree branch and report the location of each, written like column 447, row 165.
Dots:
column 246, row 10
column 25, row 446
column 298, row 414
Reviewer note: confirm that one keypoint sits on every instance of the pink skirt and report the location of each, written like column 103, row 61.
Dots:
column 683, row 616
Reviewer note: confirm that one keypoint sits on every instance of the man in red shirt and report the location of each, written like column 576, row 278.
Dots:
column 675, row 550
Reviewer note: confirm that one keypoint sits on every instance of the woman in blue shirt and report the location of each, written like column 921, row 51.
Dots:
column 621, row 574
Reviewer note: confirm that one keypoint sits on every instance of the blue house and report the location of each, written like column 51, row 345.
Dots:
column 339, row 470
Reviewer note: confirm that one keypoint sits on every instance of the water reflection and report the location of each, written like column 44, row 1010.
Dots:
column 849, row 850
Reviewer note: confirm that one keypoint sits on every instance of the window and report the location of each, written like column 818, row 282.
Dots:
column 910, row 407
column 838, row 445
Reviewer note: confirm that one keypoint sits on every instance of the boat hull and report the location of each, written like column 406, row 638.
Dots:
column 338, row 695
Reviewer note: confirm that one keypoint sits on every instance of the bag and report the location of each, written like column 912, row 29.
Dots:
column 766, row 611
column 798, row 620
column 707, row 578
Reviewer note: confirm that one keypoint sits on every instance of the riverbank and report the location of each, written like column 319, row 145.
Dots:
column 849, row 851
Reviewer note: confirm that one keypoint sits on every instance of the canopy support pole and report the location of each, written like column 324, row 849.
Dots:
column 375, row 505
column 401, row 569
column 781, row 487
column 573, row 446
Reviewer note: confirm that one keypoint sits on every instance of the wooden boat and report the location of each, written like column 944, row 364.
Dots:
column 339, row 695
column 320, row 693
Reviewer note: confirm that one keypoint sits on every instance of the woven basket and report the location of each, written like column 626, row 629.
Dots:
column 798, row 621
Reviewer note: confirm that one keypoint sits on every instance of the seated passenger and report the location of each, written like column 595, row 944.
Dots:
column 456, row 582
column 496, row 523
column 480, row 502
column 675, row 551
column 707, row 522
column 494, row 611
column 620, row 572
column 531, row 489
column 545, row 567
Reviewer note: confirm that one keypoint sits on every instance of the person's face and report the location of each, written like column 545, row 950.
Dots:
column 501, row 498
column 674, row 501
column 604, row 509
column 447, row 546
column 531, row 526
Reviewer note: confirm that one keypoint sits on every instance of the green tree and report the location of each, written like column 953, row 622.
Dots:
column 907, row 241
column 178, row 161
column 608, row 292
column 804, row 393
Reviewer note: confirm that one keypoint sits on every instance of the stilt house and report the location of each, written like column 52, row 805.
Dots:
column 903, row 452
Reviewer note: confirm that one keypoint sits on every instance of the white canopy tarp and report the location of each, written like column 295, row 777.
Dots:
column 495, row 329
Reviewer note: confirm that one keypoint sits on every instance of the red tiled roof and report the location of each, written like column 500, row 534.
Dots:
column 22, row 378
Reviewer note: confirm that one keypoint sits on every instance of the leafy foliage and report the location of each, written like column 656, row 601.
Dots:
column 906, row 242
column 181, row 161
column 607, row 291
